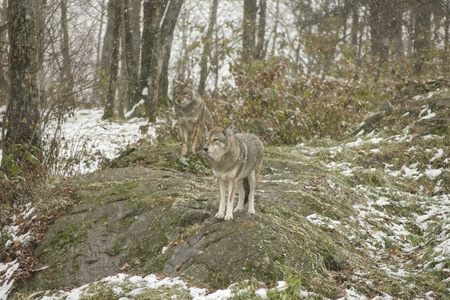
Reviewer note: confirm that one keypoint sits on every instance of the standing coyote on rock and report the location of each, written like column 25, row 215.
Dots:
column 192, row 114
column 236, row 160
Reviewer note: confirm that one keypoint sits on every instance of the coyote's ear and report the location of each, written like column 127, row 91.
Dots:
column 229, row 129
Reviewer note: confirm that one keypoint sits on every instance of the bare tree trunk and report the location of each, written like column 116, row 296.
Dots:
column 355, row 28
column 108, row 39
column 150, row 10
column 131, row 61
column 410, row 28
column 100, row 31
column 163, row 98
column 114, row 61
column 123, row 80
column 207, row 48
column 4, row 85
column 215, row 61
column 275, row 26
column 446, row 34
column 249, row 30
column 23, row 135
column 106, row 51
column 40, row 29
column 67, row 76
column 162, row 40
column 260, row 51
column 135, row 27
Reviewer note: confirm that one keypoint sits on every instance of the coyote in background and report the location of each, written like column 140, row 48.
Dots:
column 235, row 159
column 192, row 114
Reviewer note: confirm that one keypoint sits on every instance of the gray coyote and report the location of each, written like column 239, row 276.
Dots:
column 192, row 114
column 236, row 161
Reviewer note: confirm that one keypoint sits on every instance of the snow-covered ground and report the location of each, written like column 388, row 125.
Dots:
column 86, row 140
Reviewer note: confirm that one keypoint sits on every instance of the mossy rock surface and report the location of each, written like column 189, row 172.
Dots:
column 147, row 219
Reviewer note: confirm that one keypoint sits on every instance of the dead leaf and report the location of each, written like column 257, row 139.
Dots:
column 178, row 267
column 124, row 267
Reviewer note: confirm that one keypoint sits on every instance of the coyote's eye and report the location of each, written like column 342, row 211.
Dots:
column 215, row 139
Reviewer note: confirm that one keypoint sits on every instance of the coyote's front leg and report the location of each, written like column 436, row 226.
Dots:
column 232, row 186
column 221, row 213
column 185, row 136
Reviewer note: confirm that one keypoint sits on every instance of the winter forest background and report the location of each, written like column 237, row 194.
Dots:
column 286, row 70
column 351, row 101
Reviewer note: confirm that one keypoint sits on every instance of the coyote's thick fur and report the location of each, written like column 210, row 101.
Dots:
column 235, row 159
column 192, row 115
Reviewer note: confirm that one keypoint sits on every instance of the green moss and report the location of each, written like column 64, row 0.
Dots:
column 118, row 246
column 74, row 234
column 196, row 164
column 148, row 253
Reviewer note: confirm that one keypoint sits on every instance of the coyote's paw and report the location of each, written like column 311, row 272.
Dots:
column 251, row 211
column 238, row 209
column 219, row 215
column 228, row 217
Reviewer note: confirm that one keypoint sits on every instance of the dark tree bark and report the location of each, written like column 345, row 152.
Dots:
column 131, row 61
column 108, row 39
column 41, row 41
column 135, row 27
column 249, row 30
column 160, row 17
column 161, row 51
column 114, row 61
column 150, row 9
column 163, row 97
column 4, row 86
column 23, row 135
column 207, row 42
